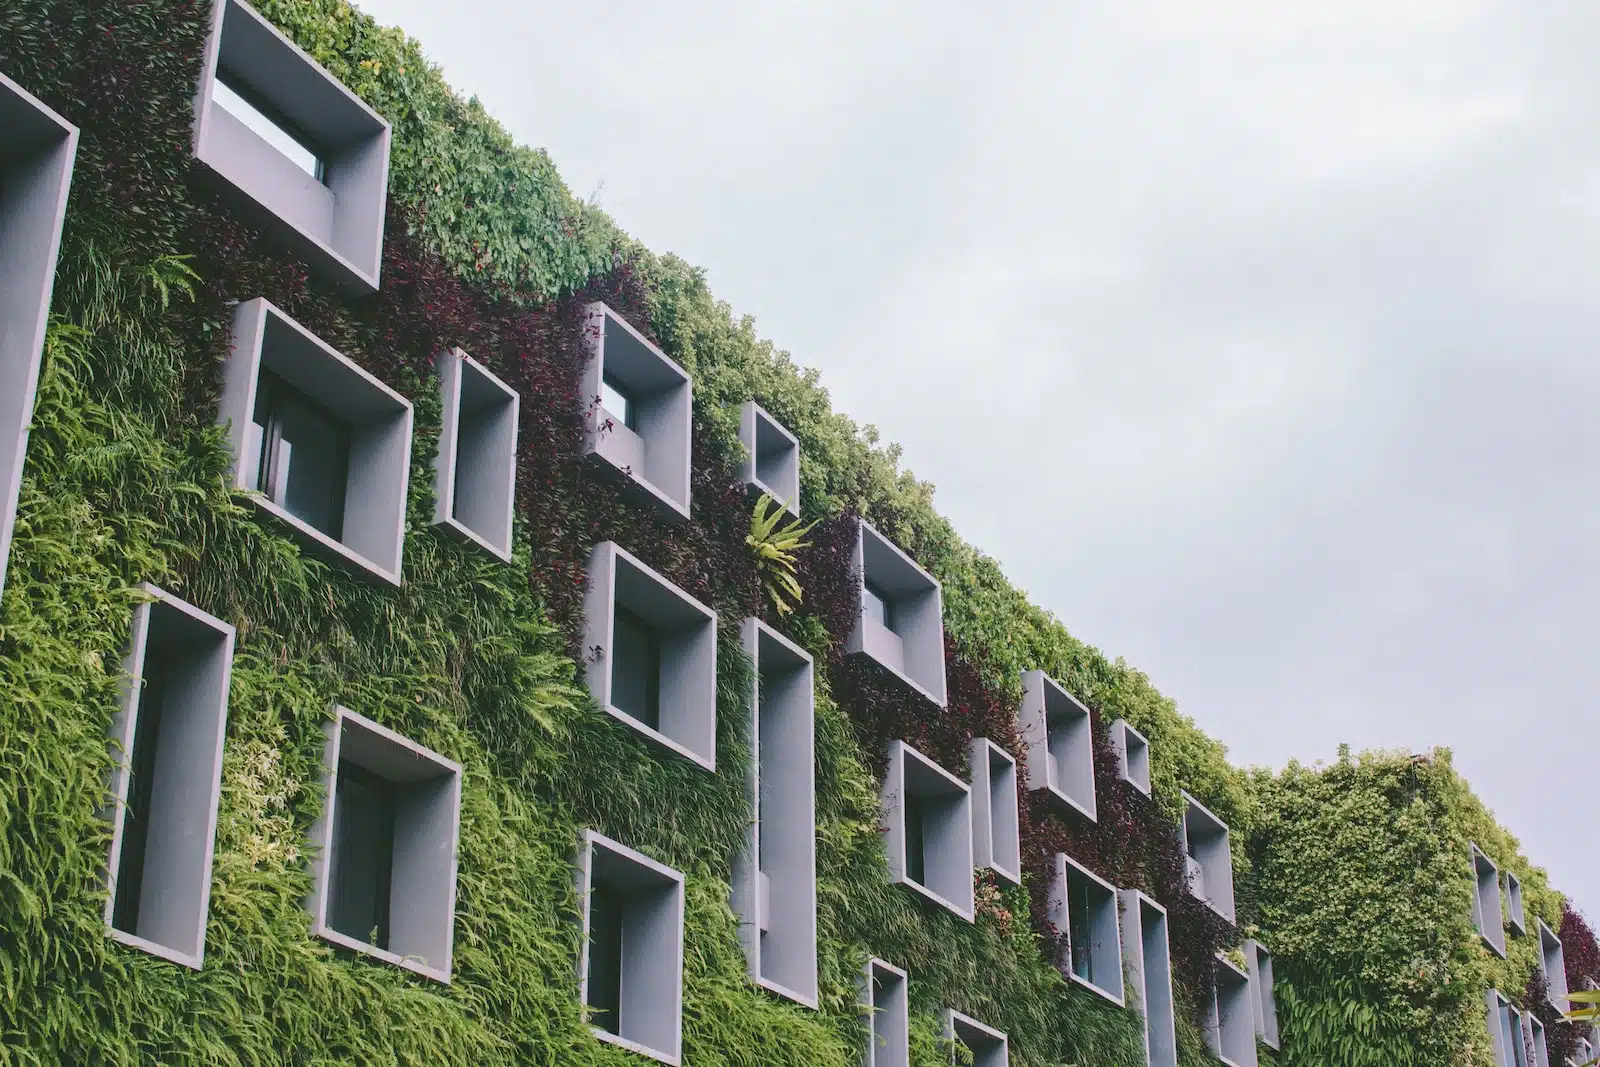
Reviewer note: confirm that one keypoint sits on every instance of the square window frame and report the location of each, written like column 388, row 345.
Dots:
column 33, row 210
column 1516, row 912
column 1258, row 962
column 188, row 859
column 1486, row 881
column 894, row 1016
column 1230, row 1030
column 755, row 425
column 754, row 890
column 378, row 480
column 996, row 1050
column 914, row 650
column 693, row 732
column 335, row 226
column 1217, row 864
column 649, row 872
column 1553, row 965
column 493, row 481
column 1107, row 946
column 1133, row 755
column 1141, row 916
column 996, row 822
column 406, row 756
column 906, row 762
column 1044, row 701
column 664, row 446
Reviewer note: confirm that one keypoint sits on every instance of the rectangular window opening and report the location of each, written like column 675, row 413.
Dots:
column 261, row 119
column 605, row 958
column 304, row 462
column 916, row 841
column 636, row 674
column 361, row 874
column 1078, row 910
column 877, row 606
column 619, row 400
column 141, row 785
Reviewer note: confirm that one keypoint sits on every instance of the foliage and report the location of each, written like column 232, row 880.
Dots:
column 774, row 543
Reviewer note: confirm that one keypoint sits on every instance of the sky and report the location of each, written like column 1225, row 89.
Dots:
column 1255, row 340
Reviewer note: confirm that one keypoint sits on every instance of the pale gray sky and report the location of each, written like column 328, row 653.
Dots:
column 1298, row 299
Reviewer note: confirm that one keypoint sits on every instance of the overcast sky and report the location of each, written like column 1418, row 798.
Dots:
column 1296, row 303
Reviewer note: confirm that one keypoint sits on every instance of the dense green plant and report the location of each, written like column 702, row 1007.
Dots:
column 775, row 543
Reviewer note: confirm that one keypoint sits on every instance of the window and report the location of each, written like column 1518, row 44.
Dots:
column 1553, row 965
column 1133, row 755
column 1149, row 961
column 988, row 1046
column 928, row 829
column 640, row 430
column 1487, row 917
column 37, row 151
column 1258, row 962
column 1209, row 855
column 776, row 896
column 475, row 471
column 326, row 445
column 996, row 828
column 1537, row 1042
column 1058, row 740
column 291, row 150
column 630, row 973
column 901, row 627
column 887, row 1000
column 168, row 738
column 652, row 661
column 772, row 457
column 384, row 847
column 1084, row 907
column 1230, row 1024
column 1516, row 915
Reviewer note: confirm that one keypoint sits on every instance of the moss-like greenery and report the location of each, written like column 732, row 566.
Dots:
column 488, row 250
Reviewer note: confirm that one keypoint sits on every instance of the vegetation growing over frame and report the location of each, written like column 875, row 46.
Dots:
column 487, row 250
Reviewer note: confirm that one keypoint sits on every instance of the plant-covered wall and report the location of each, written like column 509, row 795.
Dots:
column 487, row 250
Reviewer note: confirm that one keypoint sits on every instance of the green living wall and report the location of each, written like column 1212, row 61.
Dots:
column 487, row 250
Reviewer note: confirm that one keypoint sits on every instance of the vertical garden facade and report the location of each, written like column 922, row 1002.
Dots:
column 394, row 668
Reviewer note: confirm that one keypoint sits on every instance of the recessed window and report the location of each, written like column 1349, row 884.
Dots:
column 324, row 445
column 1208, row 855
column 384, row 847
column 630, row 973
column 1149, row 963
column 1516, row 915
column 887, row 1000
column 1262, row 981
column 1058, row 740
column 772, row 456
column 475, row 471
column 928, row 829
column 987, row 1046
column 292, row 150
column 1487, row 917
column 1230, row 1023
column 652, row 661
column 996, row 828
column 1083, row 906
column 1537, row 1041
column 168, row 741
column 1133, row 755
column 901, row 626
column 776, row 894
column 1553, row 965
column 37, row 151
column 641, row 426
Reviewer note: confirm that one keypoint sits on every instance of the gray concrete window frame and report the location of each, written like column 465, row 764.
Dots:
column 427, row 834
column 1147, row 956
column 651, row 1012
column 913, row 650
column 1133, row 755
column 1516, row 913
column 688, row 715
column 1553, row 965
column 1262, row 980
column 655, row 457
column 948, row 847
column 1230, row 1021
column 1487, row 917
column 1207, row 844
column 771, row 457
column 475, row 471
column 1537, row 1040
column 989, row 1047
column 335, row 225
column 1058, row 743
column 37, row 151
column 888, row 1022
column 187, row 785
column 996, row 826
column 1105, row 929
column 777, row 906
column 379, row 419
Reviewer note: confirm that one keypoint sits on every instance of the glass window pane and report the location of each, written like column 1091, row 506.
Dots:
column 274, row 133
column 875, row 605
column 616, row 399
column 305, row 456
column 605, row 957
column 636, row 668
column 362, row 855
column 141, row 783
column 1078, row 927
column 916, row 839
